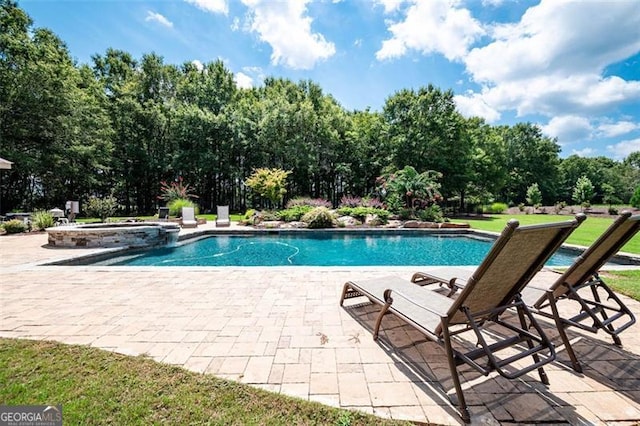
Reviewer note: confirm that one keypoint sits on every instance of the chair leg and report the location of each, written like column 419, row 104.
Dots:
column 344, row 293
column 603, row 313
column 563, row 335
column 381, row 315
column 536, row 358
column 464, row 412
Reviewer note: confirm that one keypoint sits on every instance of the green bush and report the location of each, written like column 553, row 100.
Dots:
column 393, row 203
column 175, row 206
column 320, row 217
column 14, row 226
column 432, row 213
column 101, row 207
column 361, row 213
column 406, row 214
column 294, row 213
column 308, row 202
column 495, row 208
column 248, row 215
column 42, row 220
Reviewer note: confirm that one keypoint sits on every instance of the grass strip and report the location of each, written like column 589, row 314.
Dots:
column 584, row 235
column 624, row 282
column 99, row 387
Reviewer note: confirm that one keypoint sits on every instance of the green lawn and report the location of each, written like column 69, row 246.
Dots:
column 586, row 233
column 100, row 387
column 625, row 282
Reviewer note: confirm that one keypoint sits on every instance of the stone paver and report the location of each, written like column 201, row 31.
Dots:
column 281, row 329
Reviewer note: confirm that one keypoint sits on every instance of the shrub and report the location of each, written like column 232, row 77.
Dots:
column 406, row 214
column 431, row 214
column 175, row 206
column 41, row 220
column 521, row 207
column 361, row 213
column 534, row 196
column 293, row 213
column 319, row 217
column 612, row 211
column 350, row 201
column 495, row 208
column 175, row 190
column 269, row 183
column 101, row 207
column 309, row 202
column 14, row 226
column 583, row 192
column 393, row 202
column 373, row 202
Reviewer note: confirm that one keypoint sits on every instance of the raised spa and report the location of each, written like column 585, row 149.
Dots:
column 146, row 234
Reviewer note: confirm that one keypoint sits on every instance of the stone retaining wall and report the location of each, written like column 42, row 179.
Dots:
column 113, row 235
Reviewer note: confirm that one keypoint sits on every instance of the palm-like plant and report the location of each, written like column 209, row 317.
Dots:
column 418, row 190
column 175, row 190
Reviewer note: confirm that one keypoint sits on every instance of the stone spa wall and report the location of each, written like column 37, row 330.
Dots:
column 114, row 235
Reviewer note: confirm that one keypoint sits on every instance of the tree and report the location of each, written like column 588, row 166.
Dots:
column 531, row 157
column 635, row 199
column 53, row 125
column 609, row 195
column 488, row 165
column 427, row 133
column 269, row 183
column 534, row 196
column 583, row 192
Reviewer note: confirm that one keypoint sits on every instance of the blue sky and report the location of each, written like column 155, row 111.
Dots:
column 573, row 67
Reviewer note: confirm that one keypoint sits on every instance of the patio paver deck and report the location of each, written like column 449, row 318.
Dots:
column 281, row 329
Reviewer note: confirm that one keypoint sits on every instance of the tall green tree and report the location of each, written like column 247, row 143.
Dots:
column 52, row 121
column 488, row 165
column 531, row 158
column 428, row 133
column 583, row 191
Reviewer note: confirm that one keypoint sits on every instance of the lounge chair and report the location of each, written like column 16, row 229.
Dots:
column 222, row 218
column 163, row 214
column 581, row 292
column 189, row 218
column 516, row 256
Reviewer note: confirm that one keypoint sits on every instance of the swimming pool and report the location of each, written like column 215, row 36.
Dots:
column 322, row 249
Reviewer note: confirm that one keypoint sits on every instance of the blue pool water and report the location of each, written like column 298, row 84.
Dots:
column 318, row 249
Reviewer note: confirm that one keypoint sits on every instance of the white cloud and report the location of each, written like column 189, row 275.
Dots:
column 434, row 26
column 492, row 3
column 568, row 128
column 235, row 26
column 285, row 26
column 243, row 81
column 213, row 6
column 552, row 61
column 585, row 152
column 156, row 17
column 472, row 105
column 390, row 6
column 620, row 128
column 623, row 149
column 198, row 64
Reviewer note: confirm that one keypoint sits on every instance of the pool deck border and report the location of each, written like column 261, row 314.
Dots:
column 623, row 260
